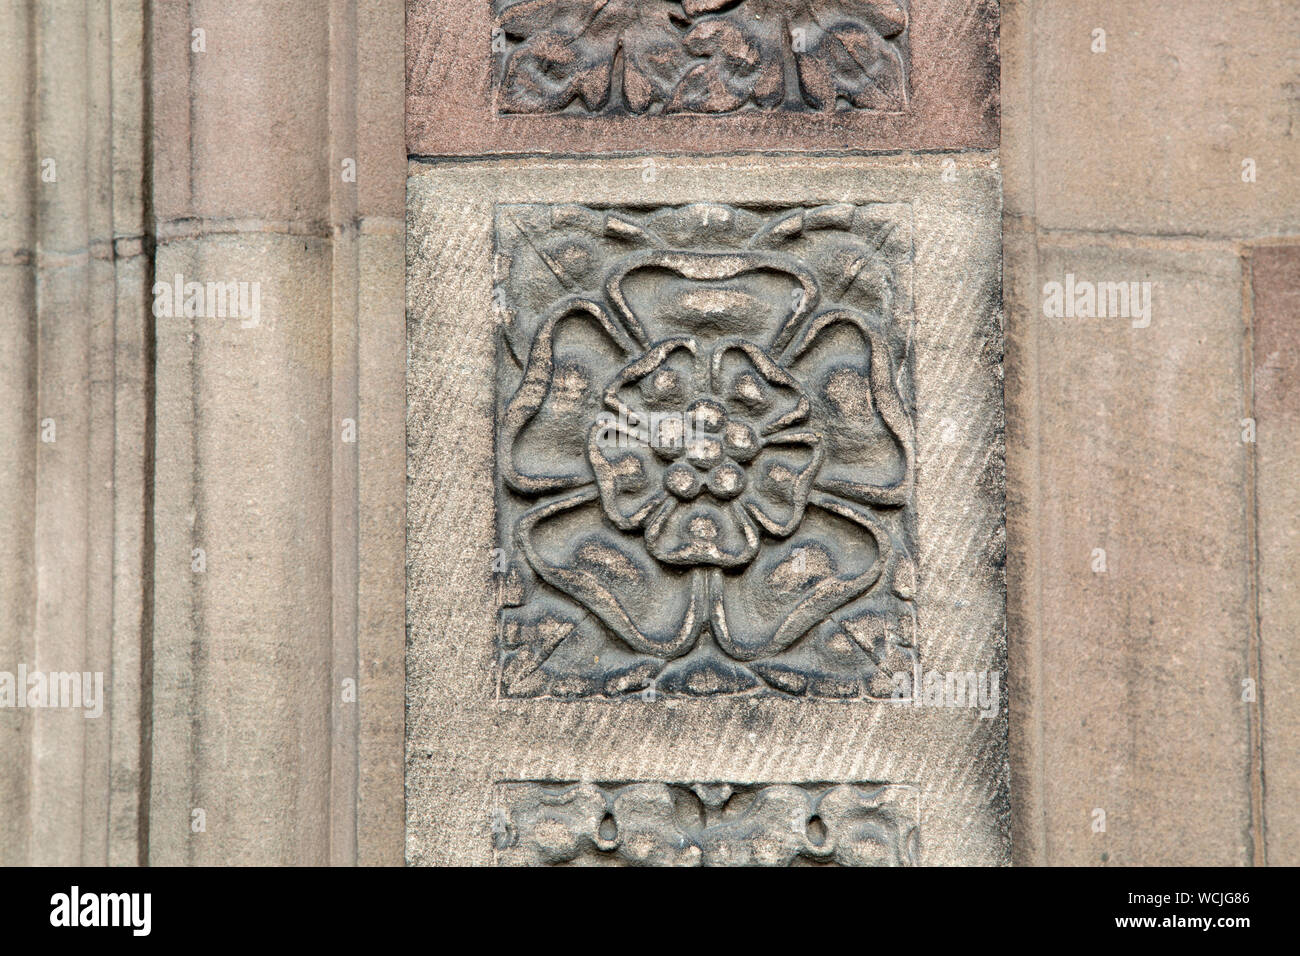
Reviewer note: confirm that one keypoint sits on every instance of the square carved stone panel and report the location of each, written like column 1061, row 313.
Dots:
column 699, row 56
column 705, row 450
column 704, row 481
column 706, row 824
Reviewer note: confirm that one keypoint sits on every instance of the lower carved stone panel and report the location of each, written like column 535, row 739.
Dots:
column 706, row 824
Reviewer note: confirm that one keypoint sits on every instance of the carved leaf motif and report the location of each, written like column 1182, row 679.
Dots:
column 694, row 8
column 551, row 70
column 653, row 60
column 742, row 64
column 853, row 62
column 679, row 824
column 703, row 56
column 569, row 48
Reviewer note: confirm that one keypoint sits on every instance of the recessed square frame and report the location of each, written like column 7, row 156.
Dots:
column 820, row 297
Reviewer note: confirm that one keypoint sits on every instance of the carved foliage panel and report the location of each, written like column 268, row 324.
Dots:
column 700, row 56
column 706, row 824
column 704, row 450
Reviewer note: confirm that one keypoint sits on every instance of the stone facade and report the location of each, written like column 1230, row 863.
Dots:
column 191, row 521
column 1147, row 650
column 798, row 432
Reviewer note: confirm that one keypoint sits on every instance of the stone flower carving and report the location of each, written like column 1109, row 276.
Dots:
column 706, row 453
column 717, row 461
column 705, row 824
column 701, row 56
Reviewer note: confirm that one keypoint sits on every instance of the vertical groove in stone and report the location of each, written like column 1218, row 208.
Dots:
column 1024, row 584
column 381, row 416
column 1254, row 728
column 70, row 270
column 381, row 599
column 1274, row 302
column 63, row 368
column 344, row 722
column 19, row 424
column 128, row 708
column 170, row 798
column 100, row 308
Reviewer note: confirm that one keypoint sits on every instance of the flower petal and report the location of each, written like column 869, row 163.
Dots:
column 702, row 532
column 558, row 398
column 780, row 479
column 629, row 473
column 838, row 554
column 753, row 386
column 661, row 380
column 701, row 292
column 847, row 371
column 653, row 609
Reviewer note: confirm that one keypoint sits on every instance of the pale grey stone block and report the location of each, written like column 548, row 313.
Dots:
column 465, row 734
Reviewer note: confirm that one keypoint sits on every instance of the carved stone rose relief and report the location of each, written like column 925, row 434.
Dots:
column 700, row 56
column 704, row 450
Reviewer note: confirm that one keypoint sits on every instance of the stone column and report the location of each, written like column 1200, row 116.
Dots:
column 275, row 153
column 203, row 504
column 73, row 376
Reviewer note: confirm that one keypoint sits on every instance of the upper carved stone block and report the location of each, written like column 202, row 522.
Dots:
column 705, row 449
column 613, row 76
column 700, row 56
